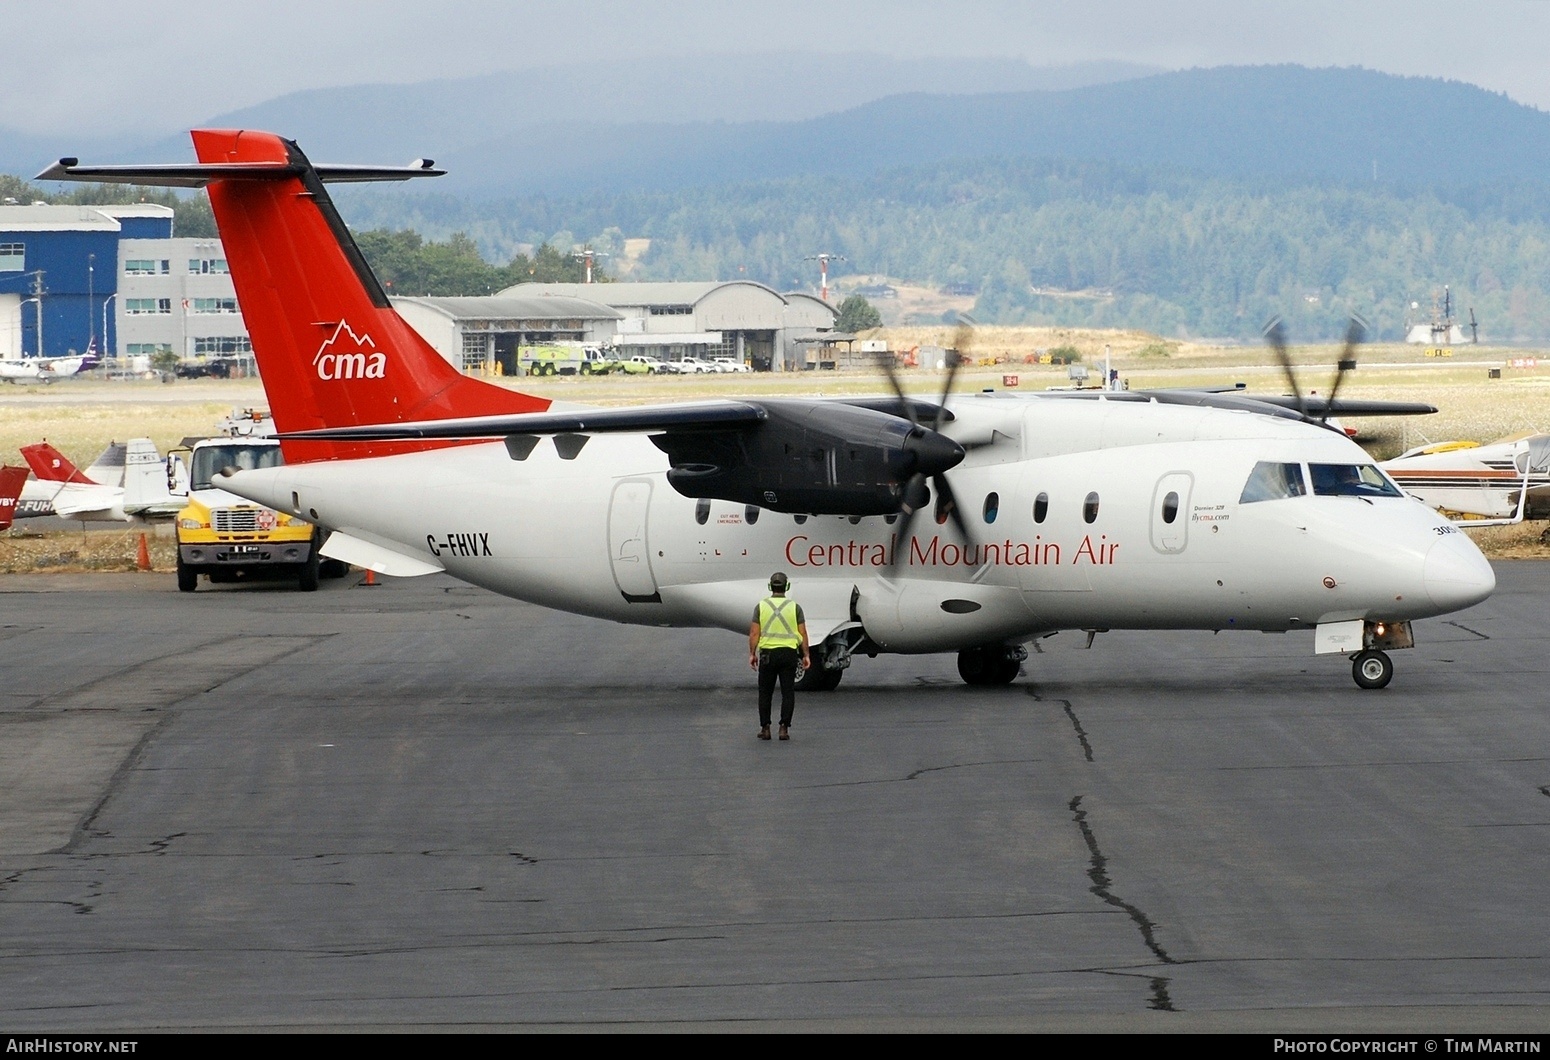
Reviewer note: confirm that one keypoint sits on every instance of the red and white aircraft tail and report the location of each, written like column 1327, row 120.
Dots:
column 50, row 465
column 332, row 350
column 12, row 479
column 329, row 345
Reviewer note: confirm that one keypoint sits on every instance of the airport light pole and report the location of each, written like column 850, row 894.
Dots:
column 823, row 271
column 105, row 302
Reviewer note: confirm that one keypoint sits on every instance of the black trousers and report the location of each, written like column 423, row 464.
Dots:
column 781, row 664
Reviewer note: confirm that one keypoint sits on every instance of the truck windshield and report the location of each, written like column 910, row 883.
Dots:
column 1350, row 480
column 211, row 460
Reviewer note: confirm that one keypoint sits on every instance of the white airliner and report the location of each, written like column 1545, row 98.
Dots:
column 1007, row 518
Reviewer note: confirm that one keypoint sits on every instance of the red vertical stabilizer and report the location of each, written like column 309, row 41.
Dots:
column 12, row 479
column 331, row 349
column 50, row 465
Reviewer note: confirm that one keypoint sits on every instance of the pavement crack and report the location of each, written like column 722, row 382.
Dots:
column 917, row 774
column 1466, row 629
column 1098, row 872
column 1076, row 723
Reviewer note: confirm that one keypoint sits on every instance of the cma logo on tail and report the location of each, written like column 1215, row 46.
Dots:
column 354, row 358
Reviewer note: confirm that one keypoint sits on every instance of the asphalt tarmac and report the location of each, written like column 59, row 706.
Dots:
column 423, row 806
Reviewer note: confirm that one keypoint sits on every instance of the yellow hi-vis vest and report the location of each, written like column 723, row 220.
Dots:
column 778, row 623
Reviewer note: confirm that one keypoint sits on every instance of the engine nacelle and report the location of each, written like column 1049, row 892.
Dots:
column 822, row 458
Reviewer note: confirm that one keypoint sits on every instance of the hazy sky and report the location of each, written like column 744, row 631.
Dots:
column 157, row 65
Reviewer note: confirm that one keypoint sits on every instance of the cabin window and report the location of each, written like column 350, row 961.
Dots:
column 1040, row 507
column 751, row 514
column 702, row 510
column 1170, row 508
column 1350, row 480
column 992, row 507
column 1090, row 508
column 1271, row 481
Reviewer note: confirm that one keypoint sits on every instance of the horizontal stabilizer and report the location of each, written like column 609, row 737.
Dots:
column 347, row 548
column 197, row 175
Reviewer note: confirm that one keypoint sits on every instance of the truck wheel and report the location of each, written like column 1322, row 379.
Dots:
column 188, row 578
column 307, row 579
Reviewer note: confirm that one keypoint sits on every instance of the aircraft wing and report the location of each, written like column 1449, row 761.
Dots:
column 701, row 415
column 1237, row 397
column 1345, row 408
column 781, row 454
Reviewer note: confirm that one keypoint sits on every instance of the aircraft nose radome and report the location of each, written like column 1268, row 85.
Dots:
column 1456, row 574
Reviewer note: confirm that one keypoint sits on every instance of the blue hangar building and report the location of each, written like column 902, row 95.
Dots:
column 59, row 267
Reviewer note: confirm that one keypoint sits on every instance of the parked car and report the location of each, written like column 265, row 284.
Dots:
column 692, row 365
column 727, row 364
column 640, row 364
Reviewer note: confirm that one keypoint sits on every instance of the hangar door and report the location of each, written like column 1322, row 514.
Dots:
column 627, row 544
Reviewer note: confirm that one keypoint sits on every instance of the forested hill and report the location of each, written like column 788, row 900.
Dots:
column 1343, row 124
column 1061, row 242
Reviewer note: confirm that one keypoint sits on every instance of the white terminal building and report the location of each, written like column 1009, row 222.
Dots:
column 740, row 319
column 176, row 295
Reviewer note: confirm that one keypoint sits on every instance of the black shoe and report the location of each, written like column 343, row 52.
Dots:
column 764, row 733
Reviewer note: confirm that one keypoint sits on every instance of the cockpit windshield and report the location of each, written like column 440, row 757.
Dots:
column 212, row 460
column 1350, row 480
column 1270, row 481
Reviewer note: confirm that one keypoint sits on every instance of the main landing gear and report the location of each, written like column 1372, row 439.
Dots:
column 991, row 667
column 1372, row 669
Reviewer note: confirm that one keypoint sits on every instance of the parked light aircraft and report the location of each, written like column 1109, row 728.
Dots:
column 46, row 369
column 132, row 486
column 1505, row 481
column 1093, row 511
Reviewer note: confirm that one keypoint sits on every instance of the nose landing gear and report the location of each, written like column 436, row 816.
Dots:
column 1372, row 669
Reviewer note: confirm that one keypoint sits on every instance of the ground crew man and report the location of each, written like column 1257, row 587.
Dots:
column 777, row 640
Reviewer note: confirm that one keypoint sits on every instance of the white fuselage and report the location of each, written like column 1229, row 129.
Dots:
column 604, row 534
column 40, row 369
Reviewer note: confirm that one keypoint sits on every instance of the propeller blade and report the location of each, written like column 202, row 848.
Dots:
column 1355, row 333
column 1275, row 334
column 963, row 341
column 886, row 361
column 907, row 516
column 916, row 496
column 949, row 502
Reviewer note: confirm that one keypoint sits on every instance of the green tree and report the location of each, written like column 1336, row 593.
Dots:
column 857, row 314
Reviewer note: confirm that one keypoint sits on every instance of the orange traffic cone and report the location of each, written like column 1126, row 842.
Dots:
column 143, row 555
column 371, row 577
